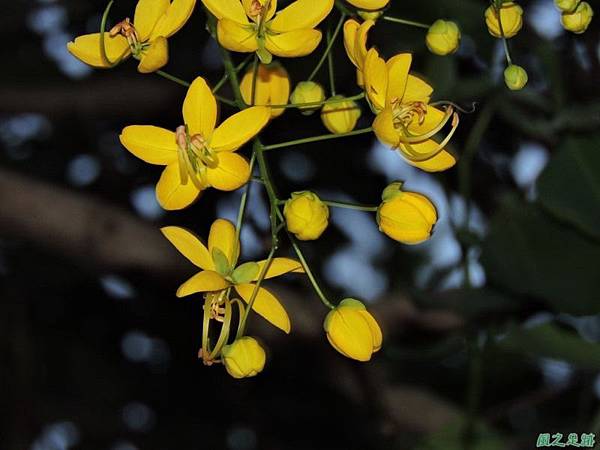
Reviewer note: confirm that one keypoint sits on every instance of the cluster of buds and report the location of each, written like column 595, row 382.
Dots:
column 576, row 15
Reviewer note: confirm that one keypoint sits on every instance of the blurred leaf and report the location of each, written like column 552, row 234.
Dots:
column 451, row 438
column 472, row 303
column 528, row 253
column 569, row 187
column 551, row 341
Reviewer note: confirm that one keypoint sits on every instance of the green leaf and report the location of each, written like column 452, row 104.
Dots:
column 551, row 341
column 221, row 262
column 528, row 253
column 569, row 187
column 245, row 273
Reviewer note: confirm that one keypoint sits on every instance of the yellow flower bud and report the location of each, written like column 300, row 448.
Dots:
column 566, row 6
column 370, row 15
column 340, row 117
column 306, row 215
column 407, row 217
column 308, row 92
column 244, row 358
column 443, row 37
column 515, row 77
column 272, row 87
column 352, row 330
column 578, row 21
column 511, row 16
column 369, row 5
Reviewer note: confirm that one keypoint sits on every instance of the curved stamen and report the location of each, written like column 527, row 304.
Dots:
column 224, row 334
column 411, row 138
column 181, row 138
column 413, row 156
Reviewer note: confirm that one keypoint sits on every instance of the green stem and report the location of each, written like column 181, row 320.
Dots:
column 254, row 78
column 233, row 78
column 309, row 273
column 321, row 103
column 330, row 65
column 406, row 22
column 225, row 76
column 242, row 208
column 504, row 40
column 323, row 137
column 350, row 206
column 170, row 77
column 328, row 48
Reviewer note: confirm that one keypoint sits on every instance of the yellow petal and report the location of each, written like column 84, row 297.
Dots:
column 398, row 67
column 205, row 281
column 155, row 56
column 369, row 4
column 279, row 266
column 174, row 18
column 301, row 14
column 236, row 37
column 200, row 109
column 270, row 12
column 417, row 90
column 147, row 13
column 350, row 29
column 384, row 129
column 376, row 79
column 232, row 172
column 239, row 129
column 86, row 48
column 442, row 161
column 227, row 9
column 360, row 46
column 222, row 236
column 375, row 329
column 350, row 334
column 293, row 43
column 190, row 246
column 153, row 145
column 170, row 193
column 431, row 120
column 267, row 305
column 272, row 87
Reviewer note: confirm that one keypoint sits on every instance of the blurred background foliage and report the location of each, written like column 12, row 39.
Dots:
column 491, row 329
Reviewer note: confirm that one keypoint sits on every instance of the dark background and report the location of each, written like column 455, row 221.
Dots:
column 97, row 353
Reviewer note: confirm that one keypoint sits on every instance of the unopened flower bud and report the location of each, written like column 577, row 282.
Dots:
column 244, row 357
column 369, row 5
column 308, row 92
column 406, row 217
column 578, row 21
column 271, row 87
column 340, row 117
column 511, row 16
column 352, row 330
column 515, row 77
column 306, row 215
column 566, row 6
column 443, row 37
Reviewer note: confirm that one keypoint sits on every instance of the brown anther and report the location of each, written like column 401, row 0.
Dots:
column 206, row 358
column 198, row 141
column 256, row 8
column 181, row 137
column 125, row 28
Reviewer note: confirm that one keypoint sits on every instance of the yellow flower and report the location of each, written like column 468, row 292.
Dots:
column 352, row 330
column 406, row 217
column 244, row 357
column 340, row 117
column 272, row 87
column 369, row 5
column 197, row 155
column 308, row 92
column 355, row 43
column 249, row 26
column 578, row 21
column 567, row 6
column 443, row 37
column 306, row 215
column 405, row 120
column 515, row 77
column 146, row 38
column 511, row 16
column 219, row 271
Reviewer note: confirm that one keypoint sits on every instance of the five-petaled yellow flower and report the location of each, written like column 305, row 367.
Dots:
column 405, row 120
column 219, row 271
column 249, row 26
column 145, row 38
column 197, row 154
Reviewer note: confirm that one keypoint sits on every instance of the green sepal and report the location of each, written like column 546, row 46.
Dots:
column 221, row 262
column 245, row 273
column 392, row 191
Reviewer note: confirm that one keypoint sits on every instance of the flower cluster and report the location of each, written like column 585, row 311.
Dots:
column 204, row 152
